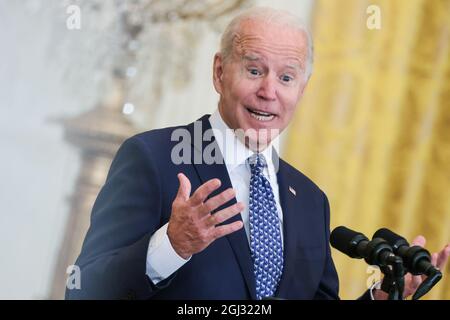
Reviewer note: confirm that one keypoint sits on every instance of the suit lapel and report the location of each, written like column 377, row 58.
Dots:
column 238, row 240
column 288, row 205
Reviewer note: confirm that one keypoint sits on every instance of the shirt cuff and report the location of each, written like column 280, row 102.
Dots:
column 162, row 259
column 376, row 285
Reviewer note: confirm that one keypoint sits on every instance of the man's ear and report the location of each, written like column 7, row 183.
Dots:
column 218, row 72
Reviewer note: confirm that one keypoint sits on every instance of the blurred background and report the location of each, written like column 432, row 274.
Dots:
column 77, row 77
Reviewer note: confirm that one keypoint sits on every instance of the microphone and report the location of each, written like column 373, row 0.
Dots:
column 416, row 260
column 376, row 252
column 357, row 245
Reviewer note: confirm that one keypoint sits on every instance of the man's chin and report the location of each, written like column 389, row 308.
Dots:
column 257, row 140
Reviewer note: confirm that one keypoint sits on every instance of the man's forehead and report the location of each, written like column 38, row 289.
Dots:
column 259, row 50
column 252, row 38
column 293, row 63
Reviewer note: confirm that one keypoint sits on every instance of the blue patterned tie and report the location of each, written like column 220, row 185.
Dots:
column 265, row 235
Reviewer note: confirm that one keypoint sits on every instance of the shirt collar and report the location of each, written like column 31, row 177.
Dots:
column 235, row 152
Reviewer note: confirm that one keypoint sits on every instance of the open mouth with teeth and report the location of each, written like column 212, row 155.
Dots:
column 260, row 115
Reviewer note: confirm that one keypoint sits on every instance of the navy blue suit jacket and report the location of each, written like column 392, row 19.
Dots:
column 136, row 201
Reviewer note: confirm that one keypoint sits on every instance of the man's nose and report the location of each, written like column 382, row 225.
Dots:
column 267, row 89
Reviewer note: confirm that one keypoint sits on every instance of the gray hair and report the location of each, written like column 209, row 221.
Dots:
column 268, row 15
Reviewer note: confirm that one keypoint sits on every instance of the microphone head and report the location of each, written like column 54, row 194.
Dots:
column 346, row 241
column 416, row 259
column 396, row 241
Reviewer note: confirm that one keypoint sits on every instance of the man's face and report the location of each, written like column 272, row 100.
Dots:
column 262, row 82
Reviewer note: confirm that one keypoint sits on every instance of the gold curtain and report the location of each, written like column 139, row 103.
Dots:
column 373, row 129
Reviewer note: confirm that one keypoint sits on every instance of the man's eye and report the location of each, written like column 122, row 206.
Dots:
column 286, row 78
column 254, row 72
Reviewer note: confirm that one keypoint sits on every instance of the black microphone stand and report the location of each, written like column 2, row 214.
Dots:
column 394, row 277
column 380, row 253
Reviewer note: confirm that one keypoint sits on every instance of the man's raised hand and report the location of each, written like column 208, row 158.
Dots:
column 192, row 227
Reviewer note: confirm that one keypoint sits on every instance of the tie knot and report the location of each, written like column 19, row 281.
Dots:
column 257, row 163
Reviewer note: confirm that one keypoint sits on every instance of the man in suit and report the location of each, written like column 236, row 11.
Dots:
column 218, row 215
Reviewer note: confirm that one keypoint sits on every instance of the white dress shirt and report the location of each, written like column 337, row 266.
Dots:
column 162, row 260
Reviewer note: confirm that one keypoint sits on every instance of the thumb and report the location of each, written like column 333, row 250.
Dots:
column 184, row 190
column 419, row 241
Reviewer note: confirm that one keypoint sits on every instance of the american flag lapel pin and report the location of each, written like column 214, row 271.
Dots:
column 292, row 190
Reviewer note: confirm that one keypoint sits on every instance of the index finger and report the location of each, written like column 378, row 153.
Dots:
column 204, row 191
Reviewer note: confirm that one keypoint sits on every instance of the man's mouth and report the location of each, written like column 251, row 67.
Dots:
column 260, row 115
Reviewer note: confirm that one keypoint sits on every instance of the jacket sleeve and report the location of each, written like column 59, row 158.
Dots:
column 126, row 213
column 329, row 284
